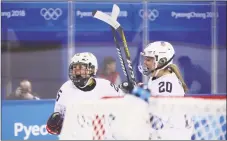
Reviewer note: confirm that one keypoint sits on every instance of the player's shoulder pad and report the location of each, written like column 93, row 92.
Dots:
column 102, row 81
column 107, row 84
column 66, row 85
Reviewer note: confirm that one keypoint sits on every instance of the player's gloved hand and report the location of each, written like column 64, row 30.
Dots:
column 54, row 123
column 142, row 93
column 126, row 86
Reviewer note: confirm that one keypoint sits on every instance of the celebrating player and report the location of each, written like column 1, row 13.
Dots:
column 164, row 80
column 81, row 86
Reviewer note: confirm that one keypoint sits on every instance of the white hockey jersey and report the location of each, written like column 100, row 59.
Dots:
column 167, row 85
column 70, row 93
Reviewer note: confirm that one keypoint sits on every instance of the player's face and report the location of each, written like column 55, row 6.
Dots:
column 149, row 62
column 82, row 70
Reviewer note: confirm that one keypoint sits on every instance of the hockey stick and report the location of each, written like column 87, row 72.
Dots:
column 127, row 54
column 116, row 27
column 118, row 47
column 114, row 15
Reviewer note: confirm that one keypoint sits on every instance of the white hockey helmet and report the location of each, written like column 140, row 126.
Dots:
column 86, row 59
column 163, row 53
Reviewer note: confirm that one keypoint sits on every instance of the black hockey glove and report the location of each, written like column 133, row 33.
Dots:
column 54, row 123
column 126, row 86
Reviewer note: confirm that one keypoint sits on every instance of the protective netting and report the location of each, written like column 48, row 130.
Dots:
column 108, row 119
column 130, row 118
column 206, row 117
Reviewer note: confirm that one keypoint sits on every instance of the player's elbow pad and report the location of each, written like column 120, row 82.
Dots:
column 54, row 123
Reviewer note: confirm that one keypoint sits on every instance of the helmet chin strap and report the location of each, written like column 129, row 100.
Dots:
column 155, row 72
column 87, row 83
column 160, row 67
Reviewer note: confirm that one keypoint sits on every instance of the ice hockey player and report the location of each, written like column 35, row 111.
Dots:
column 164, row 80
column 81, row 86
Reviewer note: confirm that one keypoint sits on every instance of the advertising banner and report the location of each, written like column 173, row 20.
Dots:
column 33, row 20
column 26, row 120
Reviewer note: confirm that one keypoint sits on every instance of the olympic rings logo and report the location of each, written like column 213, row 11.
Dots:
column 151, row 14
column 51, row 13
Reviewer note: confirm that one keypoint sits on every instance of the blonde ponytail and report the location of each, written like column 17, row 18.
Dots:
column 176, row 70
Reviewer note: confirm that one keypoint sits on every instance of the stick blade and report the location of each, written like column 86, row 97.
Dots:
column 106, row 18
column 115, row 11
